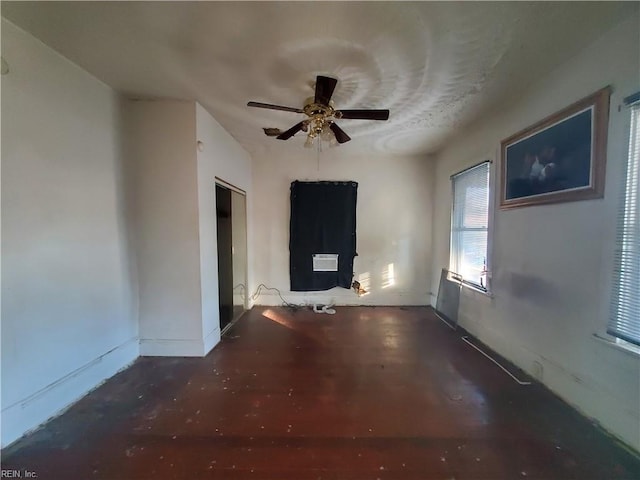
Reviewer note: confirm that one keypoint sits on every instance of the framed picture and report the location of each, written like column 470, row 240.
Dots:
column 559, row 159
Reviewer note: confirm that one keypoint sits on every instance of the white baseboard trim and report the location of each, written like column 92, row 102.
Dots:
column 211, row 340
column 171, row 348
column 29, row 413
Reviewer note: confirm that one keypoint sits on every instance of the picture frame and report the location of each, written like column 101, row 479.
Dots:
column 561, row 158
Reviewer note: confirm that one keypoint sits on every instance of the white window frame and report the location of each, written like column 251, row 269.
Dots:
column 633, row 102
column 487, row 289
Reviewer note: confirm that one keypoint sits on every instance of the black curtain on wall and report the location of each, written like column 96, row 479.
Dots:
column 323, row 220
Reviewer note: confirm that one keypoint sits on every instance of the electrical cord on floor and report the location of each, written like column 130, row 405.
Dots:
column 316, row 308
column 284, row 302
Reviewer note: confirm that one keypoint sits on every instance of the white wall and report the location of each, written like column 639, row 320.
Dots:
column 161, row 146
column 172, row 185
column 393, row 224
column 69, row 308
column 88, row 179
column 552, row 265
column 221, row 157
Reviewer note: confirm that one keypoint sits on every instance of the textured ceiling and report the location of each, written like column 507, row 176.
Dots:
column 436, row 65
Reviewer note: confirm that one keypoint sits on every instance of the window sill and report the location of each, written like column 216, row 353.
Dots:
column 628, row 349
column 486, row 293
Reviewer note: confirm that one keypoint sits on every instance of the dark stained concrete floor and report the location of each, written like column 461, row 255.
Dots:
column 368, row 393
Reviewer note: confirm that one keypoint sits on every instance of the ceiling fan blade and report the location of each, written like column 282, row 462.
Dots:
column 291, row 132
column 272, row 132
column 340, row 134
column 274, row 107
column 365, row 114
column 324, row 89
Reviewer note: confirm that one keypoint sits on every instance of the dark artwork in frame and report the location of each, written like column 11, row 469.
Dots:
column 559, row 159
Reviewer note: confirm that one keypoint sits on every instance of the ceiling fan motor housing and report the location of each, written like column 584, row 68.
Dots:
column 321, row 114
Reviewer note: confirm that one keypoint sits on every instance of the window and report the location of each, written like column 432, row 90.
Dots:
column 469, row 225
column 624, row 319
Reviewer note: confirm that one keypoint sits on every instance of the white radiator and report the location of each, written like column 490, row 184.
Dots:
column 325, row 262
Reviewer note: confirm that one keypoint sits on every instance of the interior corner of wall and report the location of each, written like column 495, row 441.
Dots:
column 433, row 298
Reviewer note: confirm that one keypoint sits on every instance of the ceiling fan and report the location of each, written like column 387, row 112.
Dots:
column 321, row 115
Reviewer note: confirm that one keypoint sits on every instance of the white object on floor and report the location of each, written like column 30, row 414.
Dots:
column 324, row 309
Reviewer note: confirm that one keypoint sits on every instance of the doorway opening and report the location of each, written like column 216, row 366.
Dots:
column 231, row 221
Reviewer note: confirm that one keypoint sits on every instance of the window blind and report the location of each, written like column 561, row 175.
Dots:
column 469, row 224
column 624, row 320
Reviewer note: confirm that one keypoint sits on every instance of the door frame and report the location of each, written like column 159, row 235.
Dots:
column 223, row 183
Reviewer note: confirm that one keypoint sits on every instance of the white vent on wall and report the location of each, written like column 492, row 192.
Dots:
column 325, row 262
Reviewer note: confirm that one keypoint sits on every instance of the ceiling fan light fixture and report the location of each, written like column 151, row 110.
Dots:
column 309, row 142
column 326, row 134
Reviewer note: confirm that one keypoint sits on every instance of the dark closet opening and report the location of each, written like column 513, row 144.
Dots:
column 225, row 255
